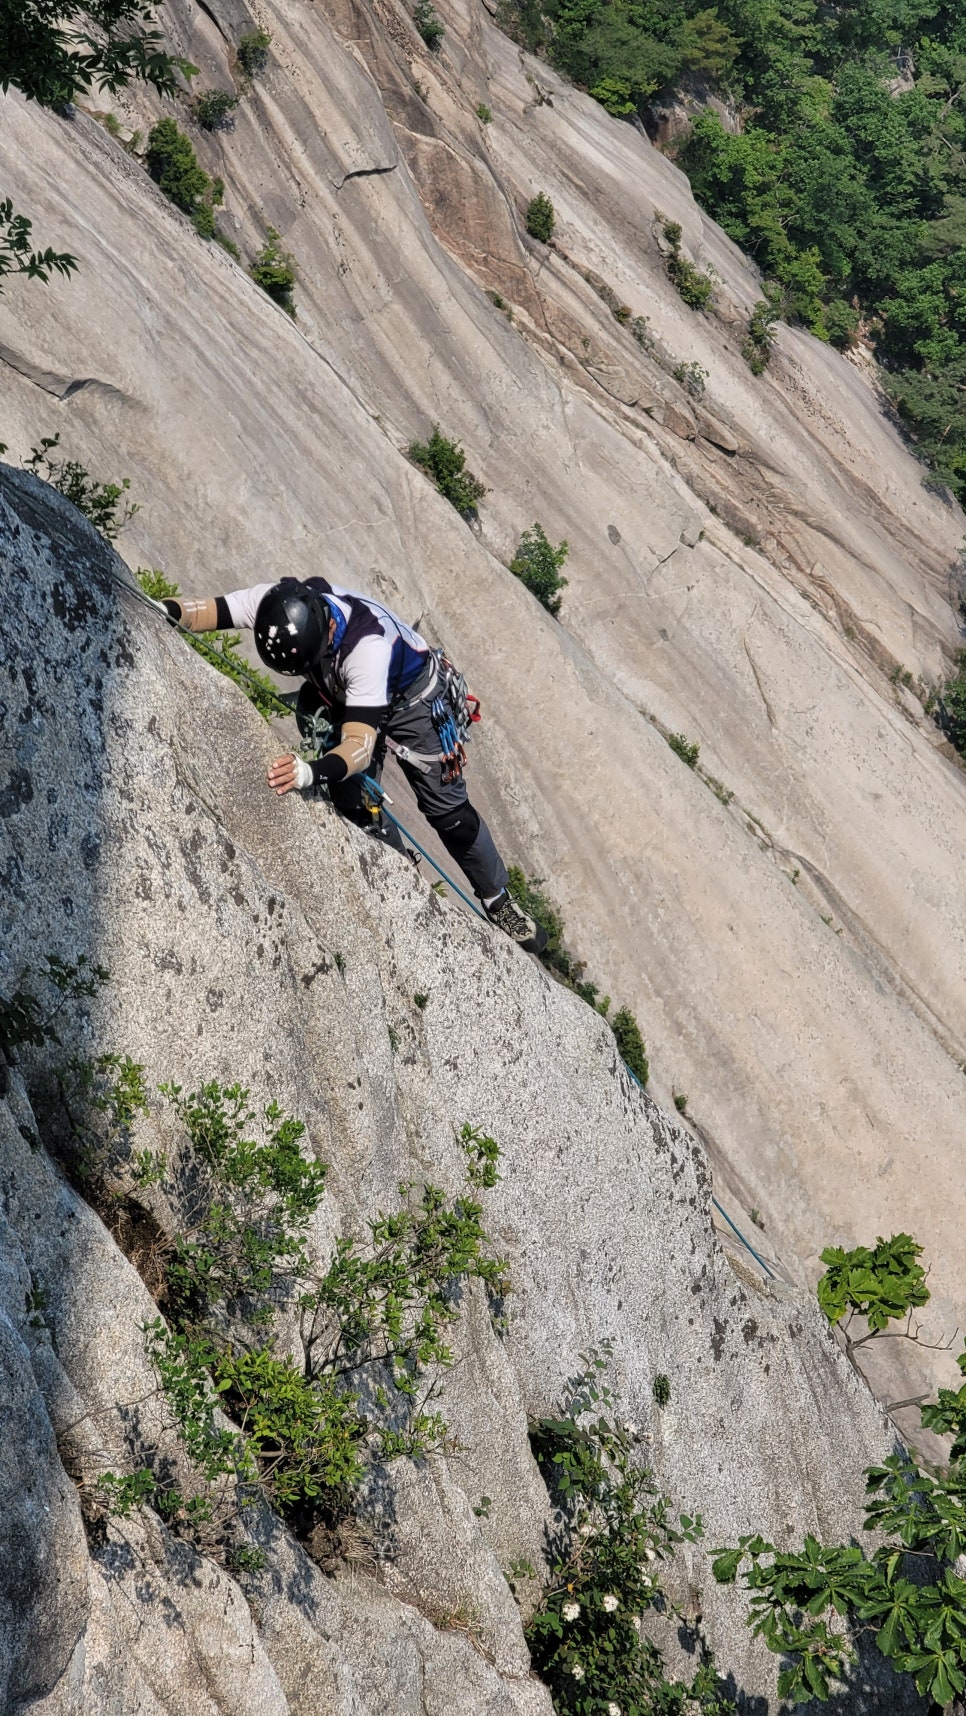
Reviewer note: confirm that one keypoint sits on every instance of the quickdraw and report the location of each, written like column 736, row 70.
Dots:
column 453, row 712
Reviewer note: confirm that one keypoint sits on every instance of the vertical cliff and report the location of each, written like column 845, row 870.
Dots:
column 265, row 941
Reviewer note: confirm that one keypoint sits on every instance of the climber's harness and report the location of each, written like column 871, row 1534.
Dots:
column 453, row 710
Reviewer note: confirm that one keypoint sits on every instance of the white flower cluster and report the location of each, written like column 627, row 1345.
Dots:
column 613, row 1710
column 577, row 1671
column 570, row 1611
column 610, row 1602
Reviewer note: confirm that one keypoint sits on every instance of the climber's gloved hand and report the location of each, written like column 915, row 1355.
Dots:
column 170, row 609
column 290, row 774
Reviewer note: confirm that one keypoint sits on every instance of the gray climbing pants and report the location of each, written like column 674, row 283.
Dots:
column 445, row 804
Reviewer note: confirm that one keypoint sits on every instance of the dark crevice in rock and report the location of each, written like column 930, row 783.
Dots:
column 366, row 173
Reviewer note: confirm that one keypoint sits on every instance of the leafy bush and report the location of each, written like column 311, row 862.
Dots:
column 685, row 749
column 541, row 218
column 760, row 337
column 214, row 110
column 661, row 1390
column 445, row 463
column 274, row 270
column 377, row 1316
column 484, row 114
column 630, row 1043
column 951, row 706
column 174, row 166
column 878, row 1284
column 16, row 256
column 253, row 52
column 611, row 1533
column 692, row 378
column 56, row 51
column 99, row 502
column 537, row 565
column 908, row 1592
column 372, row 1325
column 429, row 24
column 221, row 652
column 695, row 288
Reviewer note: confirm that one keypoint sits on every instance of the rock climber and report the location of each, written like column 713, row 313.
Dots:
column 376, row 680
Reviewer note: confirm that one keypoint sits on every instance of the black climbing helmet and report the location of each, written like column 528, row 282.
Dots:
column 291, row 627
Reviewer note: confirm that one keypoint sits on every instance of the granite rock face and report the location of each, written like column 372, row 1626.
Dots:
column 137, row 832
column 757, row 570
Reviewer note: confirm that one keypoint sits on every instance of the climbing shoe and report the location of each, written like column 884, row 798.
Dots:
column 514, row 922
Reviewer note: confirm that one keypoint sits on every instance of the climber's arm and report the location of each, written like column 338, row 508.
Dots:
column 217, row 613
column 351, row 756
column 210, row 615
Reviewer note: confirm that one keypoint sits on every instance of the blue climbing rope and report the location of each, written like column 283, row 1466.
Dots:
column 379, row 795
column 720, row 1207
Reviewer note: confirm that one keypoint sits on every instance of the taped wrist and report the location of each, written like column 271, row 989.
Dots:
column 303, row 774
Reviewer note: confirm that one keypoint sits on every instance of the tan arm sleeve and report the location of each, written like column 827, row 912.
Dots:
column 355, row 747
column 198, row 616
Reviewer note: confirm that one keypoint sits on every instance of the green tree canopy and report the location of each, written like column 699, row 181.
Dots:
column 56, row 50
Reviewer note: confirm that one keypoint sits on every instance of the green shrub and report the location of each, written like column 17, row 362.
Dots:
column 951, row 705
column 760, row 337
column 484, row 114
column 214, row 110
column 541, row 218
column 879, row 1284
column 692, row 378
column 661, row 1389
column 253, row 52
column 630, row 1043
column 445, row 463
column 907, row 1595
column 612, row 1532
column 695, row 288
column 429, row 24
column 274, row 270
column 373, row 1324
column 174, row 166
column 537, row 565
column 841, row 323
column 683, row 748
column 221, row 651
column 99, row 502
column 642, row 333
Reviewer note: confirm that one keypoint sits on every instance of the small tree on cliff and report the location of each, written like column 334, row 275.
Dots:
column 56, row 50
column 908, row 1592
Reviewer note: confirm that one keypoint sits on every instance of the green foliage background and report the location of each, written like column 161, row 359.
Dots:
column 849, row 195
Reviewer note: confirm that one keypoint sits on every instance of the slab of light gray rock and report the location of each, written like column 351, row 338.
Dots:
column 256, row 445
column 220, row 911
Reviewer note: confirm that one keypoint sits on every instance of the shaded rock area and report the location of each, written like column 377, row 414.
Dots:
column 265, row 941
